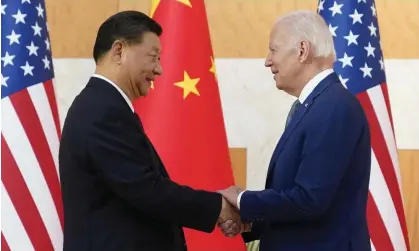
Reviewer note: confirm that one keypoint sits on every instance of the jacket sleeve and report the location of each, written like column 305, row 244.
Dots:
column 326, row 155
column 258, row 227
column 121, row 156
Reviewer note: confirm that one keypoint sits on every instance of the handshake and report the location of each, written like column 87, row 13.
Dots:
column 229, row 220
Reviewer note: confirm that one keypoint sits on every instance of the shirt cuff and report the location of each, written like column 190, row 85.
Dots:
column 238, row 199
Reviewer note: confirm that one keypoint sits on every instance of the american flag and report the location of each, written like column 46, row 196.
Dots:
column 360, row 66
column 31, row 206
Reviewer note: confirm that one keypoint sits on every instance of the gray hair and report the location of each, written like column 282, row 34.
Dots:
column 310, row 26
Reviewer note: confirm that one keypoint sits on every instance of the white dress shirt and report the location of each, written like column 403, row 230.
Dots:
column 308, row 88
column 117, row 87
column 311, row 85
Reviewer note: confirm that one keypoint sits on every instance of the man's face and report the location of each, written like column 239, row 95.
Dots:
column 283, row 59
column 140, row 62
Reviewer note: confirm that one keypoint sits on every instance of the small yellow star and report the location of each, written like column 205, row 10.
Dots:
column 152, row 85
column 212, row 69
column 185, row 2
column 188, row 85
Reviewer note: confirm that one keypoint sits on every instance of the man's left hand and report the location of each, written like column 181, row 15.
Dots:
column 231, row 194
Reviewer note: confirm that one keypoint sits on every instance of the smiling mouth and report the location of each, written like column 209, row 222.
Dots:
column 149, row 80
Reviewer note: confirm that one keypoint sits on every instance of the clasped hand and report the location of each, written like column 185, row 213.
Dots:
column 229, row 220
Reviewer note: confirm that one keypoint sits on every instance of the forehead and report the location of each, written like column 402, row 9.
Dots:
column 279, row 34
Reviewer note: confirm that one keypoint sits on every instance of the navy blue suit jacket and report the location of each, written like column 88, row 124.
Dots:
column 317, row 183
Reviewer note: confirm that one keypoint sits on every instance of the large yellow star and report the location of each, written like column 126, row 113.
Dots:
column 188, row 85
column 212, row 69
column 185, row 2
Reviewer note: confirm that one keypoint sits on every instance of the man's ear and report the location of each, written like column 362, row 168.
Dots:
column 304, row 51
column 117, row 50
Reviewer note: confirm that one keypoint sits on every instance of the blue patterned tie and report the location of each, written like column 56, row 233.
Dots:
column 293, row 110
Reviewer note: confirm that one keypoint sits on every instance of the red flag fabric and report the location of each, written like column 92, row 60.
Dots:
column 182, row 113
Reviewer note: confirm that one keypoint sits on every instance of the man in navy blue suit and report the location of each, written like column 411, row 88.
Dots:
column 316, row 190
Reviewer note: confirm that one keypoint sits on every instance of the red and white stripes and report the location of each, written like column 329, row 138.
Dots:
column 31, row 196
column 386, row 217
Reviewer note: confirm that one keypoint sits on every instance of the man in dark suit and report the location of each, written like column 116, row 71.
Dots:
column 116, row 192
column 316, row 189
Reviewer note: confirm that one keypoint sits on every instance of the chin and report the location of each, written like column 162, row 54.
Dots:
column 144, row 93
column 279, row 87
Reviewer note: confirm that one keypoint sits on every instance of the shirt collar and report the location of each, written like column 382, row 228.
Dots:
column 117, row 87
column 311, row 85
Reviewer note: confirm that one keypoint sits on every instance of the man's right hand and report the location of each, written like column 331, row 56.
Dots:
column 231, row 229
column 229, row 220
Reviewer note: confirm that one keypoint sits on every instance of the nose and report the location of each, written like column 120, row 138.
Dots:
column 268, row 62
column 158, row 70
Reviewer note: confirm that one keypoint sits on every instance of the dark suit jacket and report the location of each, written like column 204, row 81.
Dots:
column 317, row 183
column 116, row 192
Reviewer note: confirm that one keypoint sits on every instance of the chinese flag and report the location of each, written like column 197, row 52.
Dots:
column 182, row 113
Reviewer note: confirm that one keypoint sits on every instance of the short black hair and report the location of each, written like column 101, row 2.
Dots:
column 129, row 26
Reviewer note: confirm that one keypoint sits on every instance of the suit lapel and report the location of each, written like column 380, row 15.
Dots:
column 107, row 87
column 298, row 116
column 286, row 134
column 154, row 156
